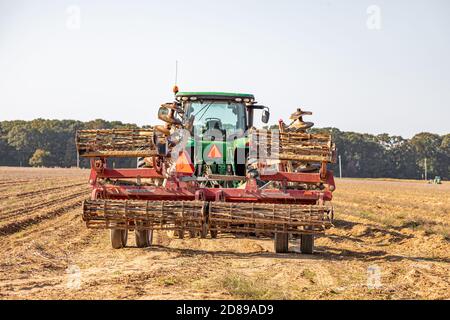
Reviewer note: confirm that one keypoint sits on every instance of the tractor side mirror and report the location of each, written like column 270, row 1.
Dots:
column 163, row 112
column 265, row 116
column 167, row 115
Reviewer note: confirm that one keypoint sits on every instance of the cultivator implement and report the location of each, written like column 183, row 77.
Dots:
column 293, row 146
column 272, row 144
column 204, row 216
column 270, row 218
column 283, row 187
column 116, row 143
column 167, row 215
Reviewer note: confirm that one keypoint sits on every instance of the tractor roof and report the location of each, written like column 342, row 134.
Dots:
column 215, row 95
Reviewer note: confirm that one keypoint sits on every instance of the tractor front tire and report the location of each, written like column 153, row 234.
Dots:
column 281, row 242
column 119, row 238
column 143, row 238
column 307, row 243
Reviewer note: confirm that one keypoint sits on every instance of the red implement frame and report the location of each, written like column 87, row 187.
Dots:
column 176, row 189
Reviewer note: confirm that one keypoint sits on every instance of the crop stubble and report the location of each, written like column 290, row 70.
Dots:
column 400, row 228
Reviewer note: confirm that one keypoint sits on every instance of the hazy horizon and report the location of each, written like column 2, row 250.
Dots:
column 270, row 123
column 365, row 66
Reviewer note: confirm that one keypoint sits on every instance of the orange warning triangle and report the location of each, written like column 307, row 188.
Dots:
column 184, row 164
column 214, row 152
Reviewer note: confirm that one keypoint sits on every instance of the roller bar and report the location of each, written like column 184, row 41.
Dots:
column 116, row 143
column 198, row 215
column 292, row 146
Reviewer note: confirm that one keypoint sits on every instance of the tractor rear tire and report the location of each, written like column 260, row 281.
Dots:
column 281, row 242
column 143, row 238
column 307, row 243
column 118, row 237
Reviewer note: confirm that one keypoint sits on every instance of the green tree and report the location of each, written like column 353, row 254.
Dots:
column 39, row 158
column 428, row 146
column 444, row 158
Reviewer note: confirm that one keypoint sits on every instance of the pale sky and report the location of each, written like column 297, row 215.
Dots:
column 355, row 69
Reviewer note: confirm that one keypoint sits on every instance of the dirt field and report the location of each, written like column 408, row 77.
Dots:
column 391, row 235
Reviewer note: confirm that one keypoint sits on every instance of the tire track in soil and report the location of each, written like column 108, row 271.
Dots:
column 68, row 226
column 14, row 206
column 29, row 285
column 14, row 182
column 13, row 227
column 41, row 191
column 6, row 187
column 23, row 210
column 43, row 258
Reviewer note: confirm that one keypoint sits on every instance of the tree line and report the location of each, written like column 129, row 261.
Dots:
column 51, row 143
column 385, row 156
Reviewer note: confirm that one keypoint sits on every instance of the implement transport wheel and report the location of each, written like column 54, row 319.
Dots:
column 307, row 243
column 124, row 237
column 143, row 238
column 204, row 231
column 193, row 233
column 281, row 242
column 205, row 218
column 119, row 238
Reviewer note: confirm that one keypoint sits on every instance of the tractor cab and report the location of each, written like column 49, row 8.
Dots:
column 225, row 113
column 218, row 123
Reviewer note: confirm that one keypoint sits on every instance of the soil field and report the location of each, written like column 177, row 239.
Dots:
column 391, row 240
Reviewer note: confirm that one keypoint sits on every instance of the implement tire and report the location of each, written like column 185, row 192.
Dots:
column 307, row 243
column 281, row 242
column 143, row 238
column 118, row 238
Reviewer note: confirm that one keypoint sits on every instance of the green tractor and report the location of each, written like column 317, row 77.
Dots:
column 218, row 124
column 208, row 170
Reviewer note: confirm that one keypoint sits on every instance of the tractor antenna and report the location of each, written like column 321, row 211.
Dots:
column 175, row 87
column 176, row 72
